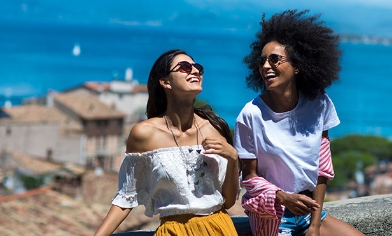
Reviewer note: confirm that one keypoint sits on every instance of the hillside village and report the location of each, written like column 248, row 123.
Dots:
column 60, row 155
column 85, row 125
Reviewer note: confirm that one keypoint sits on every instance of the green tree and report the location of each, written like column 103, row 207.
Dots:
column 355, row 152
column 378, row 146
column 346, row 164
column 32, row 182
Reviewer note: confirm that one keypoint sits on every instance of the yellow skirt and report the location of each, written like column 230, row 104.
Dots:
column 218, row 223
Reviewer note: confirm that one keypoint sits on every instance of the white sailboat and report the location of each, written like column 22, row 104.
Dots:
column 76, row 50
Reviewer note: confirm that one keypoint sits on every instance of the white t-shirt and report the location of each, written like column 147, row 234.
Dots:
column 167, row 183
column 286, row 144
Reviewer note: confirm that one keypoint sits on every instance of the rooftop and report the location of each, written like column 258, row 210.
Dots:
column 87, row 106
column 33, row 113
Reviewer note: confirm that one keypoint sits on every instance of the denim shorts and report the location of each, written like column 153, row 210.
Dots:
column 292, row 224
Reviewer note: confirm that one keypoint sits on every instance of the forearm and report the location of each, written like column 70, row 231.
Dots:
column 113, row 219
column 248, row 168
column 260, row 198
column 319, row 195
column 231, row 183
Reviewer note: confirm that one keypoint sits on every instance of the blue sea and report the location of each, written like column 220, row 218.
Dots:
column 38, row 57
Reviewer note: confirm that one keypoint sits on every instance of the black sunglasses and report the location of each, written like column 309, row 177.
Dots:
column 272, row 58
column 186, row 67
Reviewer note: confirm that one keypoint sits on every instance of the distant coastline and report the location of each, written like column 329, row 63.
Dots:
column 365, row 39
column 50, row 61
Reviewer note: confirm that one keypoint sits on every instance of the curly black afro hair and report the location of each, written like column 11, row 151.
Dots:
column 311, row 46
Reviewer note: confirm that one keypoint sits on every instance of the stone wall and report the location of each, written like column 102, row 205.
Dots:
column 372, row 215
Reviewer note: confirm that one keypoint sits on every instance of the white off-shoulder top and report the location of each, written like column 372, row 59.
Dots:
column 171, row 182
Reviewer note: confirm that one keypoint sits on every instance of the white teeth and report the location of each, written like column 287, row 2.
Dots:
column 270, row 75
column 194, row 80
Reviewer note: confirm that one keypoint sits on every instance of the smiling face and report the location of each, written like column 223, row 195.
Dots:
column 278, row 76
column 179, row 80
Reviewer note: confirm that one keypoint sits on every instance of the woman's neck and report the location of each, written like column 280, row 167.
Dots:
column 281, row 102
column 180, row 117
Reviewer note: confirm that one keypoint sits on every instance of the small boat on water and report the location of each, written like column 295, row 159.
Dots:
column 76, row 50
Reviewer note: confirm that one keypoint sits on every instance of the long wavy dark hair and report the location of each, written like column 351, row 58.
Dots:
column 157, row 102
column 310, row 45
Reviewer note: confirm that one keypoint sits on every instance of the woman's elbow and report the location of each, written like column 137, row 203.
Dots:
column 229, row 203
column 228, row 206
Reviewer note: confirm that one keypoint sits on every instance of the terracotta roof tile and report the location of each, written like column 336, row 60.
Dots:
column 34, row 165
column 34, row 113
column 47, row 212
column 87, row 106
column 99, row 188
column 142, row 88
column 97, row 86
column 104, row 86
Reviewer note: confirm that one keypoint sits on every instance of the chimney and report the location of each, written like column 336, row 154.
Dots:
column 128, row 74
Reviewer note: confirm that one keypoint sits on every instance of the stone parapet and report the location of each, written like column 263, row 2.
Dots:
column 372, row 215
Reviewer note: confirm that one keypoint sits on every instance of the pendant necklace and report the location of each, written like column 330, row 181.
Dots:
column 189, row 168
column 176, row 139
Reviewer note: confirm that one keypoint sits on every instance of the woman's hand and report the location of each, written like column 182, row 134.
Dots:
column 220, row 147
column 298, row 204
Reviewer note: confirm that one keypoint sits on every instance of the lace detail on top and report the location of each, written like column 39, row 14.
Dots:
column 167, row 184
column 129, row 187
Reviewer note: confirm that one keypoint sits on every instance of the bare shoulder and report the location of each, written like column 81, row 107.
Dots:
column 141, row 130
column 143, row 134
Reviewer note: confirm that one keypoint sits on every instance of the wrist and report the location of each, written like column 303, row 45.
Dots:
column 315, row 225
column 280, row 196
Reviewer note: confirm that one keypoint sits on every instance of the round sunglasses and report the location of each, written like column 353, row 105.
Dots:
column 186, row 67
column 272, row 58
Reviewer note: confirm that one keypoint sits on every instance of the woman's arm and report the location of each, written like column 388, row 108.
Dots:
column 113, row 219
column 137, row 141
column 231, row 183
column 248, row 168
column 325, row 172
column 260, row 196
column 265, row 192
column 318, row 195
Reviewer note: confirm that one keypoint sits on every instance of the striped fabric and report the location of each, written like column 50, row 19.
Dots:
column 325, row 165
column 263, row 226
column 259, row 203
column 259, row 200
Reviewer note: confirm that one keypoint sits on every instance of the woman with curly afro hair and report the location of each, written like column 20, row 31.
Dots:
column 282, row 135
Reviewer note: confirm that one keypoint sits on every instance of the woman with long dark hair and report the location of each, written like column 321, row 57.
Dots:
column 180, row 162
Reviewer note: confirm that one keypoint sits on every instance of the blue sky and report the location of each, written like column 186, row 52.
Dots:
column 345, row 16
